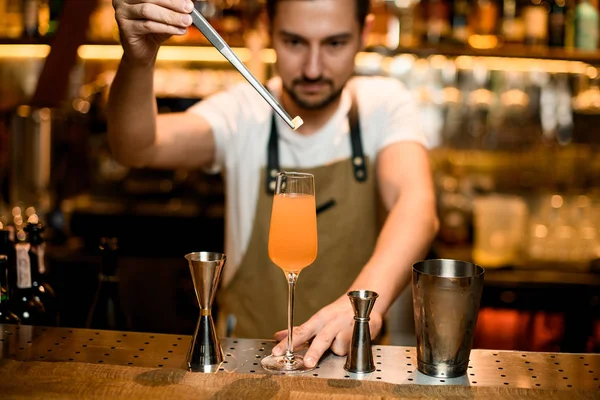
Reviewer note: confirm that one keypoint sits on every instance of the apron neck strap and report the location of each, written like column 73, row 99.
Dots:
column 358, row 158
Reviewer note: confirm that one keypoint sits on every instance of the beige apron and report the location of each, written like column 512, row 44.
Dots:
column 347, row 231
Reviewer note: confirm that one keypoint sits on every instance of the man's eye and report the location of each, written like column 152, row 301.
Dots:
column 336, row 43
column 292, row 42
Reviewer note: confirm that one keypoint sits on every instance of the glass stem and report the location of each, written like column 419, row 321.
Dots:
column 289, row 353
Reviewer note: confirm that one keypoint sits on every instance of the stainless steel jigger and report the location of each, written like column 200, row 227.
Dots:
column 205, row 353
column 360, row 355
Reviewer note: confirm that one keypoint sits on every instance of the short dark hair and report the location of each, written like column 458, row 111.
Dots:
column 362, row 10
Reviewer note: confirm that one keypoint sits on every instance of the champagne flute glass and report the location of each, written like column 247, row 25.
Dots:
column 292, row 247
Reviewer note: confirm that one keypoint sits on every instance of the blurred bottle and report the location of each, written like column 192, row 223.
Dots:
column 44, row 17
column 3, row 18
column 428, row 90
column 27, row 305
column 6, row 315
column 480, row 103
column 13, row 27
column 7, row 248
column 406, row 18
column 455, row 210
column 7, row 271
column 535, row 16
column 55, row 8
column 557, row 20
column 452, row 104
column 106, row 311
column 570, row 24
column 438, row 21
column 484, row 22
column 41, row 288
column 381, row 24
column 460, row 21
column 513, row 26
column 518, row 122
column 586, row 26
column 31, row 9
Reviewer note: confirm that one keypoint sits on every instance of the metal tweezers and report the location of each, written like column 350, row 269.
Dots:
column 217, row 41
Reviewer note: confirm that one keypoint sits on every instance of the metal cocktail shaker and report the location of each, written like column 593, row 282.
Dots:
column 446, row 295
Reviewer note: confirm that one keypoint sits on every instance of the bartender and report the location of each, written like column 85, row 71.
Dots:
column 360, row 138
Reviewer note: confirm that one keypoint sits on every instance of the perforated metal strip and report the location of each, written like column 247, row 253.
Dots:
column 394, row 364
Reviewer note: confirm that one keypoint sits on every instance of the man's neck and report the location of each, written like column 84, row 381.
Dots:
column 313, row 119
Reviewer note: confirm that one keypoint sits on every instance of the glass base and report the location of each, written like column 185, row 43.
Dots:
column 279, row 364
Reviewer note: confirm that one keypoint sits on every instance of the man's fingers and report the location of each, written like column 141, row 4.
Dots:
column 183, row 6
column 147, row 27
column 341, row 343
column 155, row 13
column 281, row 335
column 300, row 335
column 320, row 344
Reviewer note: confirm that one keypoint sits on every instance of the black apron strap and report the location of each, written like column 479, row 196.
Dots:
column 272, row 157
column 358, row 158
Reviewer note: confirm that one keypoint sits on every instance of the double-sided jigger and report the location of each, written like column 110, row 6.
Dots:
column 205, row 353
column 360, row 355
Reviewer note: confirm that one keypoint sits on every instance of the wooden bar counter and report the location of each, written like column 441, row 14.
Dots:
column 38, row 362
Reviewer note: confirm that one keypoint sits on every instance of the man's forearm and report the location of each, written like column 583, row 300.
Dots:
column 405, row 238
column 132, row 112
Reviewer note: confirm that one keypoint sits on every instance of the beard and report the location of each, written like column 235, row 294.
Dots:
column 312, row 105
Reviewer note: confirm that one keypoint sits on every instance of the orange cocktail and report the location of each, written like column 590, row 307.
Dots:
column 292, row 247
column 293, row 231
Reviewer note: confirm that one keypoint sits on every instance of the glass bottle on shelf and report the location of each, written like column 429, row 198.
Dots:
column 106, row 311
column 557, row 20
column 484, row 21
column 56, row 7
column 513, row 26
column 405, row 12
column 6, row 242
column 27, row 305
column 460, row 21
column 438, row 21
column 586, row 26
column 31, row 18
column 13, row 27
column 42, row 289
column 535, row 16
column 7, row 262
column 380, row 24
column 480, row 103
column 6, row 315
column 3, row 18
column 44, row 17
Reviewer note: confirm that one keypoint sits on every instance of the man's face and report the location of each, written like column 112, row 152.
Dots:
column 316, row 42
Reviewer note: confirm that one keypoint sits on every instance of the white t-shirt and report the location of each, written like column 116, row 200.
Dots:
column 241, row 122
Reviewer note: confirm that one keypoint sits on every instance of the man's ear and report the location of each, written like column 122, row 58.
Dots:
column 366, row 31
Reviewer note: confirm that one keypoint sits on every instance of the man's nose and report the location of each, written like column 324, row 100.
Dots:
column 313, row 68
